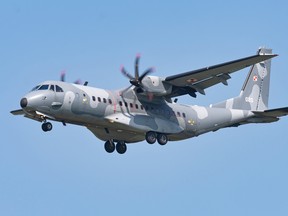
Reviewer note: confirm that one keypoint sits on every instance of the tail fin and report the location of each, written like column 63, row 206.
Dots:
column 254, row 94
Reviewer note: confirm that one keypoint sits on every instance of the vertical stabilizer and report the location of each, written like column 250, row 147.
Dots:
column 254, row 94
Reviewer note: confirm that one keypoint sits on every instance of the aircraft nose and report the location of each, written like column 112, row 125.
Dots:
column 23, row 102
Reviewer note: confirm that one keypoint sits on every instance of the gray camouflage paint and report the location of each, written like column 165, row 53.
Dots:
column 255, row 91
column 148, row 110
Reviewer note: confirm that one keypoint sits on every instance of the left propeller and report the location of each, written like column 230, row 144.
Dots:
column 136, row 80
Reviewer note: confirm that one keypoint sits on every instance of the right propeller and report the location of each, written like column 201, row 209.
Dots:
column 137, row 80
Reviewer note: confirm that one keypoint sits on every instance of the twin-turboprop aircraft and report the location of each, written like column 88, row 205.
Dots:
column 146, row 109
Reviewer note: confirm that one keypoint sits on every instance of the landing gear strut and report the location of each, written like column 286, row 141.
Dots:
column 47, row 126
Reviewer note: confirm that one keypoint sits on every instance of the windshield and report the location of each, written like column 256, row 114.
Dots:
column 35, row 88
column 46, row 87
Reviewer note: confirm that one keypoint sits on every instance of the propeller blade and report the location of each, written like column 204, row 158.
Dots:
column 125, row 73
column 78, row 81
column 137, row 80
column 62, row 76
column 124, row 90
column 137, row 66
column 148, row 71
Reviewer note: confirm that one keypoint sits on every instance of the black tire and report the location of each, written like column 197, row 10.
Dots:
column 151, row 137
column 162, row 139
column 121, row 147
column 109, row 146
column 47, row 126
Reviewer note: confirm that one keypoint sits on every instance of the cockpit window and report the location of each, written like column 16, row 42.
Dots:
column 58, row 89
column 35, row 88
column 52, row 88
column 44, row 87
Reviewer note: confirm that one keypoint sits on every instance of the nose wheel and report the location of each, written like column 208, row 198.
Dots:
column 47, row 126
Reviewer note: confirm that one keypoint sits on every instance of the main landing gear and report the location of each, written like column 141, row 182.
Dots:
column 120, row 147
column 152, row 137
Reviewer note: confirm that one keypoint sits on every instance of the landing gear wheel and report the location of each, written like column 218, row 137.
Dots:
column 47, row 126
column 162, row 139
column 121, row 147
column 109, row 146
column 151, row 137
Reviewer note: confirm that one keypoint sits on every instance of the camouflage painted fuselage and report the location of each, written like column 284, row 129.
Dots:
column 122, row 116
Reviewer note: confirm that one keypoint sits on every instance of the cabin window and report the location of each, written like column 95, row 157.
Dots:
column 178, row 114
column 120, row 102
column 110, row 101
column 184, row 115
column 93, row 98
column 141, row 107
column 131, row 105
column 99, row 99
column 136, row 105
column 104, row 100
column 126, row 105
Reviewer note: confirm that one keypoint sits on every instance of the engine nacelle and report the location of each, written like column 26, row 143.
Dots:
column 155, row 85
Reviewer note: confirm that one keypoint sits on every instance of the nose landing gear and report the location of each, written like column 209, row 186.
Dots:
column 47, row 126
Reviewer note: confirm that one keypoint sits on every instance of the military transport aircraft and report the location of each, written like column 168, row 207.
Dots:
column 146, row 109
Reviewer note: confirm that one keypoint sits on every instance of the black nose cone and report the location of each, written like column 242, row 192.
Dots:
column 23, row 102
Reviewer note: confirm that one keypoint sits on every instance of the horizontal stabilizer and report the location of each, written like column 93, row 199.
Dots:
column 273, row 112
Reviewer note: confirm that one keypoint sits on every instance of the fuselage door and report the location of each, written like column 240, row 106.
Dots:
column 58, row 97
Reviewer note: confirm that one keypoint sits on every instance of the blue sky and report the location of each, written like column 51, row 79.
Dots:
column 239, row 171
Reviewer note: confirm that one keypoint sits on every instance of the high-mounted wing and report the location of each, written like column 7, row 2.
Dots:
column 198, row 80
